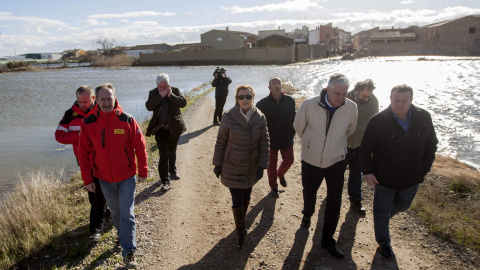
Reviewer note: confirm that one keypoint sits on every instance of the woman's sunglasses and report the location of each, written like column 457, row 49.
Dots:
column 241, row 97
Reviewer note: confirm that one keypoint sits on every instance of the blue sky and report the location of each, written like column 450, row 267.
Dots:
column 54, row 26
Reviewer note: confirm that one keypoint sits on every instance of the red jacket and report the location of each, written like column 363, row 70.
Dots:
column 109, row 143
column 68, row 129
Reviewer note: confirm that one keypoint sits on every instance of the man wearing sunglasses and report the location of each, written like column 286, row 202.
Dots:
column 324, row 123
column 279, row 109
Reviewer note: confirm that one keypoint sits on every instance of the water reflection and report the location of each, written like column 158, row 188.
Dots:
column 32, row 103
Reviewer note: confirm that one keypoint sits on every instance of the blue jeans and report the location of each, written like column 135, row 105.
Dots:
column 386, row 204
column 312, row 178
column 354, row 174
column 120, row 198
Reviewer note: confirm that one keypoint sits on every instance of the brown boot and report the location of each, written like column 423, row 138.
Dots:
column 245, row 209
column 239, row 216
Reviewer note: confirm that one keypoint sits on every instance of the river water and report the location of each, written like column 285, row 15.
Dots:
column 32, row 103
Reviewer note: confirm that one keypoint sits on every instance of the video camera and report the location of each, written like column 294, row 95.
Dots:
column 219, row 71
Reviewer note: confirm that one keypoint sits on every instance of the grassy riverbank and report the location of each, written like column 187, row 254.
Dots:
column 45, row 222
column 46, row 218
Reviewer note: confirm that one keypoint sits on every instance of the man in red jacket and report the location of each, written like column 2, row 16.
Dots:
column 67, row 132
column 110, row 140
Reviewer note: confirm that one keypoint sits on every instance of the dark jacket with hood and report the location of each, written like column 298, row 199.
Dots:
column 398, row 159
column 174, row 102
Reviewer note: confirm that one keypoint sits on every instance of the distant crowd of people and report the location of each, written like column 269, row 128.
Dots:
column 392, row 150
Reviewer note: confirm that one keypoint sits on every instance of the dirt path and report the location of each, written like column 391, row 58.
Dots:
column 191, row 225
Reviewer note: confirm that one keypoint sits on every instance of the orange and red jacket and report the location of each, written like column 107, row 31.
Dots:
column 68, row 129
column 108, row 145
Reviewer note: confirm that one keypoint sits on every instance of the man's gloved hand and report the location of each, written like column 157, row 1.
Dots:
column 217, row 170
column 259, row 174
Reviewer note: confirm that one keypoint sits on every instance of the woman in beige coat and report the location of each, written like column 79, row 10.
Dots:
column 241, row 153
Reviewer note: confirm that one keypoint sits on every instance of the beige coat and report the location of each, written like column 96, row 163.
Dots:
column 241, row 148
column 319, row 148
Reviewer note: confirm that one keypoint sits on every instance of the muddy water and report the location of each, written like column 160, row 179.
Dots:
column 32, row 103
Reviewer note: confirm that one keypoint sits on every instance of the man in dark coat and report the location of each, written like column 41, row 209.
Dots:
column 220, row 83
column 397, row 151
column 279, row 109
column 167, row 125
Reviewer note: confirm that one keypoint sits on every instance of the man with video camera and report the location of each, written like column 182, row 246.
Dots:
column 220, row 83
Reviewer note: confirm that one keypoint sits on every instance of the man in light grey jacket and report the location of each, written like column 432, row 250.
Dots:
column 367, row 106
column 324, row 123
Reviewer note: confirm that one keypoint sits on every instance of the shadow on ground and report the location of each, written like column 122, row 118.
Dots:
column 225, row 255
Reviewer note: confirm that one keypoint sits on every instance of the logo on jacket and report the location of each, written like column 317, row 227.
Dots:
column 119, row 131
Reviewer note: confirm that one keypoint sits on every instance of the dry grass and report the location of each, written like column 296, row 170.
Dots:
column 42, row 207
column 113, row 61
column 449, row 201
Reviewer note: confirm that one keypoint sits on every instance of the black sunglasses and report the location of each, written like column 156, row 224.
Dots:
column 241, row 97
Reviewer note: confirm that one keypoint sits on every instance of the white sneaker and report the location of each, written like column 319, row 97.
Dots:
column 166, row 187
column 129, row 261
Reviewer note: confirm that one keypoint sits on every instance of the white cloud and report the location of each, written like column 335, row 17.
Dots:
column 95, row 22
column 29, row 22
column 407, row 2
column 356, row 21
column 131, row 15
column 144, row 23
column 25, row 37
column 295, row 5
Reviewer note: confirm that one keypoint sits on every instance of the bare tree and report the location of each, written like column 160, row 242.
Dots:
column 107, row 45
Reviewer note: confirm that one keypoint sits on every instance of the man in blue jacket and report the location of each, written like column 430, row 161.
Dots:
column 397, row 151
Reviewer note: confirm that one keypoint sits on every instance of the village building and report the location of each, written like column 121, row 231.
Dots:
column 455, row 37
column 226, row 39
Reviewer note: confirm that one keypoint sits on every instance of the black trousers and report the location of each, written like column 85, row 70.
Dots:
column 219, row 104
column 240, row 196
column 167, row 147
column 98, row 208
column 312, row 178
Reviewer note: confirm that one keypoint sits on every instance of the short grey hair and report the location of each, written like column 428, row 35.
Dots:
column 163, row 77
column 276, row 78
column 338, row 79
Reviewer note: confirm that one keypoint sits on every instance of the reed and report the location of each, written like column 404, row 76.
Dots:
column 449, row 202
column 112, row 61
column 41, row 207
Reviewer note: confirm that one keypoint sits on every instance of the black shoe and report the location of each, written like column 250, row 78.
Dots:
column 275, row 193
column 241, row 242
column 174, row 176
column 283, row 182
column 334, row 251
column 305, row 222
column 215, row 123
column 358, row 207
column 386, row 251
